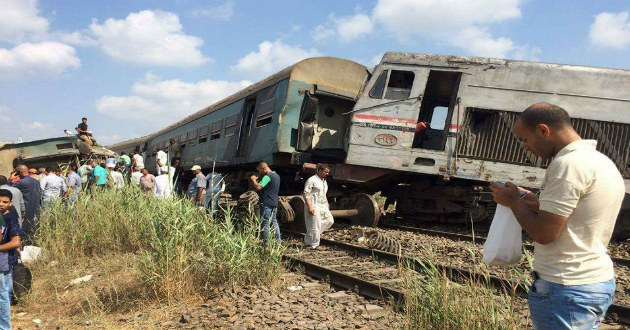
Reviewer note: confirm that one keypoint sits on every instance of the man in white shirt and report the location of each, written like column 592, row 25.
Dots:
column 571, row 222
column 136, row 175
column 160, row 160
column 137, row 161
column 317, row 214
column 18, row 199
column 164, row 183
column 53, row 187
column 117, row 178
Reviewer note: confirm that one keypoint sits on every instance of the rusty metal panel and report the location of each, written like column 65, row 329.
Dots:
column 487, row 134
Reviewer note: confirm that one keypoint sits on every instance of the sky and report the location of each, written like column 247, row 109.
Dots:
column 133, row 67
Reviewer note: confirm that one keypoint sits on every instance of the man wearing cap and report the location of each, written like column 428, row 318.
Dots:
column 197, row 186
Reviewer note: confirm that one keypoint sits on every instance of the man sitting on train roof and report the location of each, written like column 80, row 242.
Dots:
column 85, row 135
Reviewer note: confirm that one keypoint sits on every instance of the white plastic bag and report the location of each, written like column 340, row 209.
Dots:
column 504, row 244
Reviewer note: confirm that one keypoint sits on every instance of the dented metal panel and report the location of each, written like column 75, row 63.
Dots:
column 479, row 141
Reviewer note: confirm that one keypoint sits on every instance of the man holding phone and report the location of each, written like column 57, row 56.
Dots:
column 571, row 222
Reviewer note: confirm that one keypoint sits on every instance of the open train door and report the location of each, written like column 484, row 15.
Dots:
column 308, row 122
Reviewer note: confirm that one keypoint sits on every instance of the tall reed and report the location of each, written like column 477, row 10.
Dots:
column 181, row 249
column 433, row 301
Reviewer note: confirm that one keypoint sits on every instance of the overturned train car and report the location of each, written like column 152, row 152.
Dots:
column 54, row 152
column 363, row 122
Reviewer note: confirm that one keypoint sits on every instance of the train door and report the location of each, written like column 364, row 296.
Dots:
column 436, row 110
column 246, row 125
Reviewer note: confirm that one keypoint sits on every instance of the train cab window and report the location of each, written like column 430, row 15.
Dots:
column 438, row 118
column 230, row 125
column 399, row 85
column 215, row 130
column 203, row 134
column 379, row 86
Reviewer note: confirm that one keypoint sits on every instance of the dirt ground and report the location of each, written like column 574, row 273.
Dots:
column 112, row 299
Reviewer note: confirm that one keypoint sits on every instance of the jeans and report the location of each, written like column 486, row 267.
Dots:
column 556, row 306
column 6, row 290
column 213, row 197
column 268, row 213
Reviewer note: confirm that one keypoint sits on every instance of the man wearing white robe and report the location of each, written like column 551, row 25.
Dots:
column 164, row 183
column 317, row 214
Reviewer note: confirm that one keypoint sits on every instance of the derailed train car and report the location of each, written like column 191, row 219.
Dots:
column 265, row 121
column 364, row 122
column 54, row 152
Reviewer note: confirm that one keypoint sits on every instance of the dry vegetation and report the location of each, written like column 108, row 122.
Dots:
column 144, row 254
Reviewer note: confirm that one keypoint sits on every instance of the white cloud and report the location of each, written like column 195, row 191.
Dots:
column 321, row 33
column 35, row 59
column 76, row 38
column 150, row 37
column 347, row 28
column 15, row 125
column 461, row 23
column 221, row 12
column 156, row 102
column 353, row 27
column 271, row 57
column 611, row 30
column 20, row 19
column 481, row 43
column 425, row 17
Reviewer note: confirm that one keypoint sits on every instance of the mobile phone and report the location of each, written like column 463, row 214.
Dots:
column 521, row 190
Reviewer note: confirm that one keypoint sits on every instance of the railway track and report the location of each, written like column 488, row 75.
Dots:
column 375, row 273
column 474, row 239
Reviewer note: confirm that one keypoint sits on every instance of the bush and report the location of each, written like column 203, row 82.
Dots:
column 181, row 249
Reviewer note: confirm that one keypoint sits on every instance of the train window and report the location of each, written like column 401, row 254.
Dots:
column 203, row 134
column 192, row 137
column 329, row 112
column 379, row 86
column 262, row 121
column 438, row 118
column 399, row 85
column 182, row 140
column 215, row 130
column 230, row 125
column 65, row 146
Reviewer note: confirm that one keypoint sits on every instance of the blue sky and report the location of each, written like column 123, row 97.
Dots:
column 133, row 67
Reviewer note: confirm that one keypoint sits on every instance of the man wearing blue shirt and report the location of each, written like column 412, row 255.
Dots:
column 9, row 243
column 269, row 186
column 99, row 175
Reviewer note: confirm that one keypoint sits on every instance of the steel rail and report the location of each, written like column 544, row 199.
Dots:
column 337, row 278
column 474, row 239
column 621, row 311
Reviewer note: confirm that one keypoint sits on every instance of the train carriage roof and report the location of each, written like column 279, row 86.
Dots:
column 336, row 75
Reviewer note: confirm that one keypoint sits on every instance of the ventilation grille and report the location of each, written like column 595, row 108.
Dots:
column 487, row 134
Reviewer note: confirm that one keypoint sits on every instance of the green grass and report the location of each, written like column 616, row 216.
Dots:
column 433, row 301
column 181, row 249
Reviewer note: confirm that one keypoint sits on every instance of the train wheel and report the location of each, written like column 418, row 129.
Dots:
column 369, row 212
column 298, row 224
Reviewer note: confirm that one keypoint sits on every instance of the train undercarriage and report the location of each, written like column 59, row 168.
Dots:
column 416, row 198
